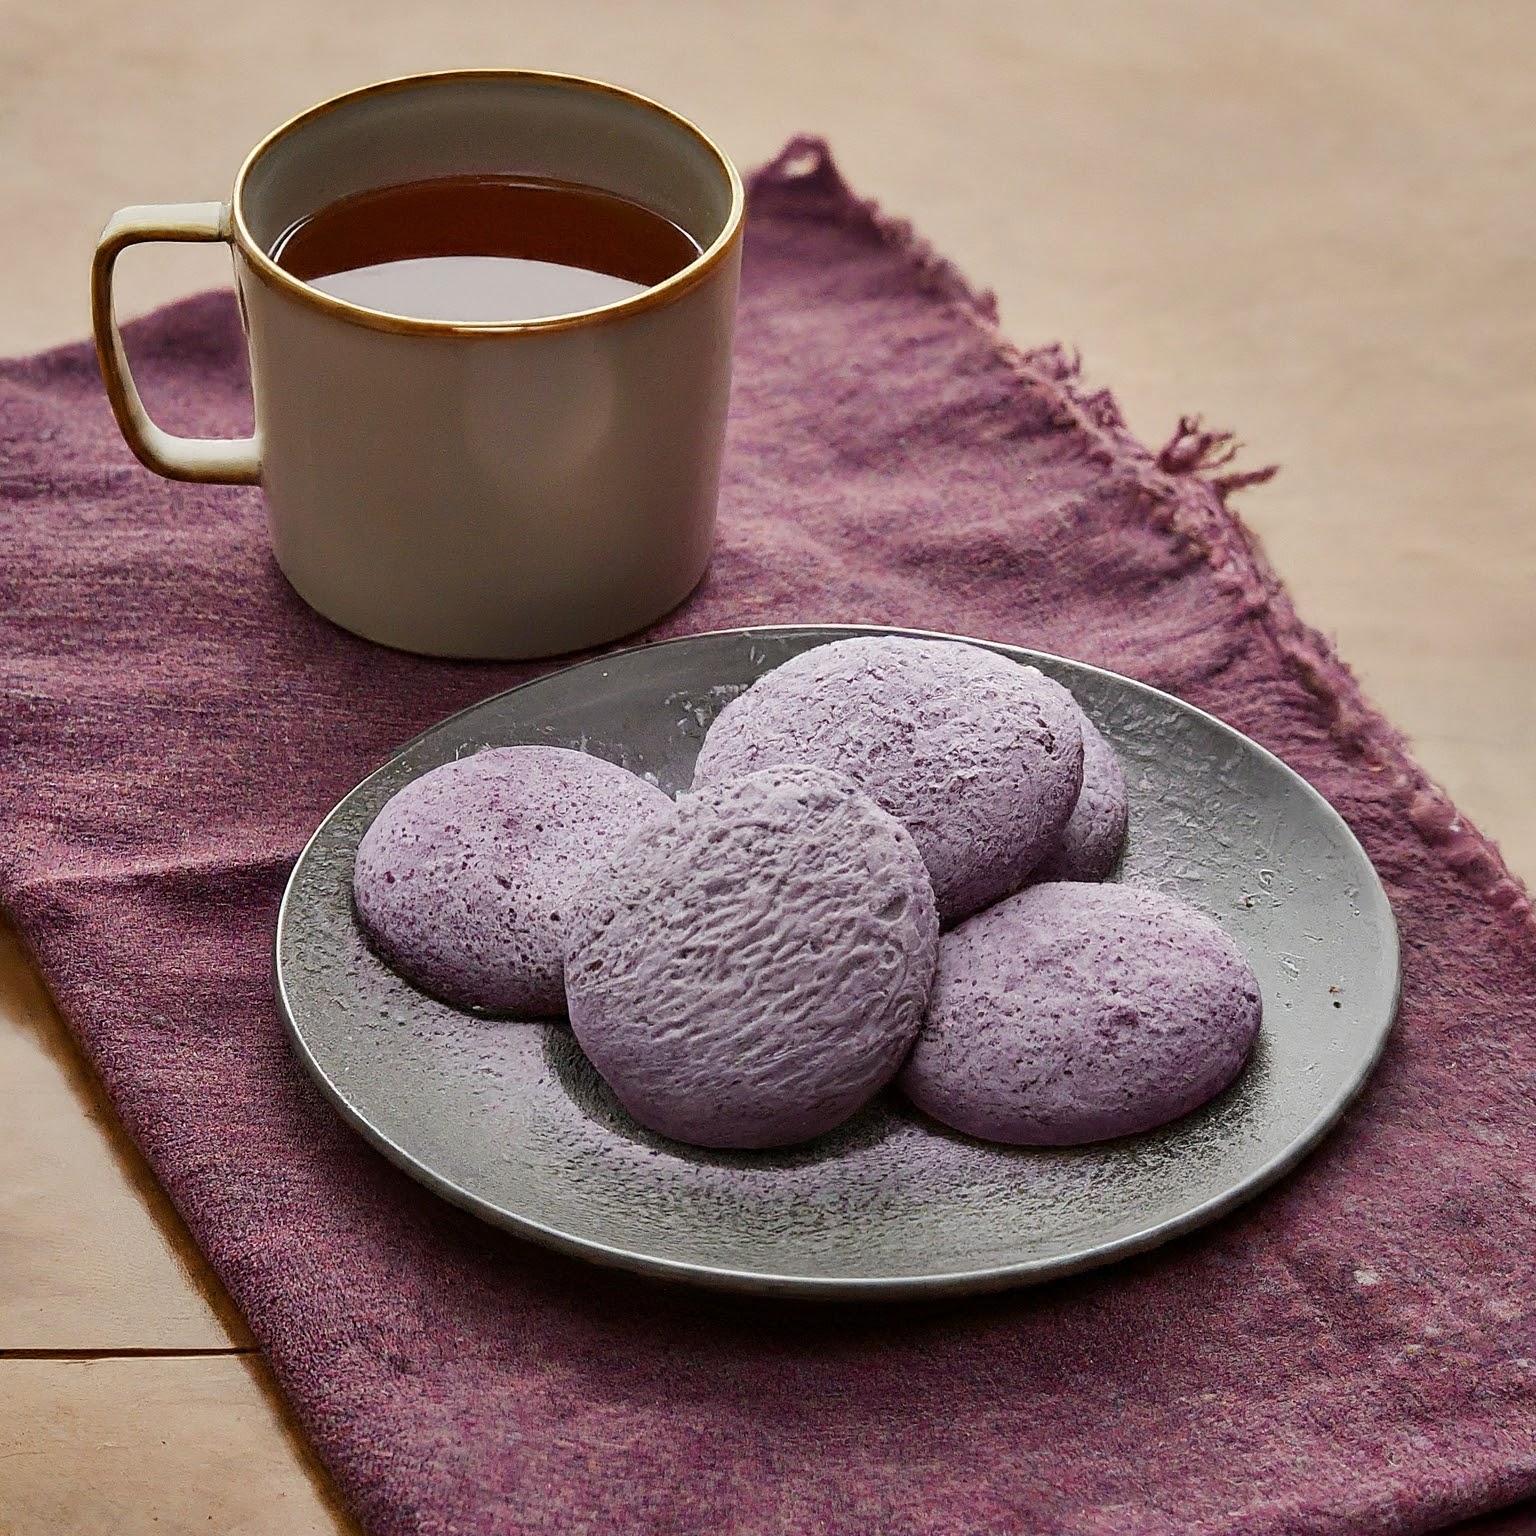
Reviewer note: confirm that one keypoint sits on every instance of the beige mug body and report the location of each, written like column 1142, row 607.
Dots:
column 472, row 489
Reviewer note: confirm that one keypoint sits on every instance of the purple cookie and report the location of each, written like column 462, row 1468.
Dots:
column 464, row 881
column 981, row 759
column 749, row 970
column 1074, row 1013
column 1094, row 834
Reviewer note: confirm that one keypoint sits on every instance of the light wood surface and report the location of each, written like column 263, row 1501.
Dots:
column 170, row 1443
column 1313, row 223
column 92, row 1254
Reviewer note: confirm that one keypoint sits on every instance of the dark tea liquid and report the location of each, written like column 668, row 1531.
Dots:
column 487, row 248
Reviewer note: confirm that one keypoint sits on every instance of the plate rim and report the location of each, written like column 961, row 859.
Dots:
column 844, row 1287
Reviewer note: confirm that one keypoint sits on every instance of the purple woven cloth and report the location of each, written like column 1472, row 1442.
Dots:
column 1355, row 1351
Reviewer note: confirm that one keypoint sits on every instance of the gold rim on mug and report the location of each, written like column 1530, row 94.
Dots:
column 661, row 293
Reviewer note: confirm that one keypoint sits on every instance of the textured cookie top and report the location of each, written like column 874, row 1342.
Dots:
column 1073, row 1013
column 1095, row 832
column 464, row 881
column 978, row 757
column 750, row 968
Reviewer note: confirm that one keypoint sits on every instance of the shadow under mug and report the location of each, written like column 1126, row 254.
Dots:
column 469, row 489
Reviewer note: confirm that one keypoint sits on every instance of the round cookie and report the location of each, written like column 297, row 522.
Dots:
column 1074, row 1013
column 981, row 759
column 1095, row 832
column 750, row 969
column 465, row 880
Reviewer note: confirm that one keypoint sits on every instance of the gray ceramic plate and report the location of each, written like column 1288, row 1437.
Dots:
column 506, row 1119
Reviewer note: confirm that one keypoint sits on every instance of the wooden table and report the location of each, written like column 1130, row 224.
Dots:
column 1312, row 222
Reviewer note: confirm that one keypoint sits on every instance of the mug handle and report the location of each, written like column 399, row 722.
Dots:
column 226, row 461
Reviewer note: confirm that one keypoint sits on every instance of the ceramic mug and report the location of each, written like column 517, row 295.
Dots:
column 476, row 489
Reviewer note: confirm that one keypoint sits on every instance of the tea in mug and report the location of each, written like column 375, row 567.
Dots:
column 484, row 248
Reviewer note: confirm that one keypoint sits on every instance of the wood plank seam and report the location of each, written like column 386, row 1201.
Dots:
column 147, row 1353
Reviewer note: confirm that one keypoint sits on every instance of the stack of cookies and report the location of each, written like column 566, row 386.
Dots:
column 885, row 871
